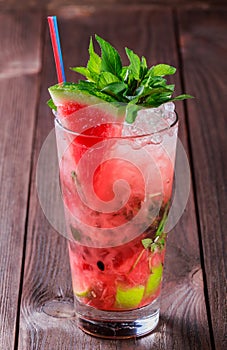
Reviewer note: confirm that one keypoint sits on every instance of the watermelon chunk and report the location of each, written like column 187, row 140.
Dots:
column 69, row 107
column 84, row 115
column 68, row 92
column 79, row 111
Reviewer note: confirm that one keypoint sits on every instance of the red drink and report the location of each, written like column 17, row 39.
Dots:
column 116, row 229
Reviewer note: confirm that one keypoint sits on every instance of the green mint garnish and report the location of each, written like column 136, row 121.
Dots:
column 158, row 243
column 159, row 240
column 135, row 85
column 111, row 61
column 162, row 223
column 147, row 242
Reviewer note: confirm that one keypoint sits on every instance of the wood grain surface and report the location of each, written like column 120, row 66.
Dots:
column 46, row 318
column 52, row 5
column 204, row 56
column 19, row 66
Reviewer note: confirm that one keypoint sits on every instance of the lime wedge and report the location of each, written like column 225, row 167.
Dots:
column 83, row 294
column 154, row 280
column 129, row 298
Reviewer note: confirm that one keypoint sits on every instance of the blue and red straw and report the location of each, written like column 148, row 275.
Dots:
column 53, row 26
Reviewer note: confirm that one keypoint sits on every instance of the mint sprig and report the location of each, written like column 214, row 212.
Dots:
column 111, row 61
column 159, row 240
column 135, row 85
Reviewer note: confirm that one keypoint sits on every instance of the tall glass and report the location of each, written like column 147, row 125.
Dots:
column 116, row 181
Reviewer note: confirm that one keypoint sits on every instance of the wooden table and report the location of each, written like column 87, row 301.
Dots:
column 34, row 265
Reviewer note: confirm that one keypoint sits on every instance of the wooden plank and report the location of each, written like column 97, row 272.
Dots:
column 203, row 35
column 52, row 5
column 183, row 323
column 20, row 64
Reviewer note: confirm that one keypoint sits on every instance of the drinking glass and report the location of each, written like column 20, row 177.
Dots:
column 116, row 183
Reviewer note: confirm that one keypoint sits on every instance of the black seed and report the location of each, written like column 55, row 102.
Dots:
column 100, row 265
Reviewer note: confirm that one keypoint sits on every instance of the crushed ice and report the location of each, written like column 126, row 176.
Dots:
column 151, row 120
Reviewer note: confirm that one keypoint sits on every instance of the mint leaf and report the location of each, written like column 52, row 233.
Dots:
column 116, row 90
column 160, row 236
column 170, row 87
column 131, row 112
column 181, row 97
column 143, row 67
column 84, row 71
column 155, row 91
column 155, row 96
column 147, row 242
column 92, row 89
column 92, row 71
column 161, row 70
column 158, row 82
column 134, row 63
column 106, row 78
column 111, row 61
column 124, row 74
column 162, row 223
column 94, row 62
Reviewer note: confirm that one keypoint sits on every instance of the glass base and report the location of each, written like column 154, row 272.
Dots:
column 118, row 324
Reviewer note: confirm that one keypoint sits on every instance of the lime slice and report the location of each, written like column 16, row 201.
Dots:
column 83, row 294
column 154, row 280
column 129, row 298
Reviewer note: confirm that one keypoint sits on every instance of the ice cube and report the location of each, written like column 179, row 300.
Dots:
column 169, row 106
column 151, row 120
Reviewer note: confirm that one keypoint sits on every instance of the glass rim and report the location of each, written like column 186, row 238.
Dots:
column 76, row 133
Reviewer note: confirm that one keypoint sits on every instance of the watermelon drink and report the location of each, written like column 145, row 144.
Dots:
column 116, row 228
column 116, row 135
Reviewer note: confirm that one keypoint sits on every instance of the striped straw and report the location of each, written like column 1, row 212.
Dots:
column 54, row 34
